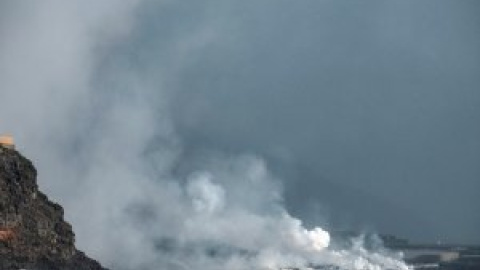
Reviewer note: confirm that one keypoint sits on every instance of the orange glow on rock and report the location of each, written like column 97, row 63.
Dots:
column 7, row 235
column 7, row 141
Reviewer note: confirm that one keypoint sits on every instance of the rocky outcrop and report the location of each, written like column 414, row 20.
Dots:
column 33, row 233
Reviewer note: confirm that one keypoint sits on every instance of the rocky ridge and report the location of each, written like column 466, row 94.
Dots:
column 33, row 232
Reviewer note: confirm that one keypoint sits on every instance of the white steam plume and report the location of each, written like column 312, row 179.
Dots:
column 109, row 153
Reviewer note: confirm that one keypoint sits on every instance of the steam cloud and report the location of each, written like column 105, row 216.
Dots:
column 100, row 133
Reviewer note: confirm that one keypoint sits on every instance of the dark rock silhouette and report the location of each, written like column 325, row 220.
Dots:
column 33, row 233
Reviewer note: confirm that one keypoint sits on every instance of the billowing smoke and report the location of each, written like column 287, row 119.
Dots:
column 100, row 132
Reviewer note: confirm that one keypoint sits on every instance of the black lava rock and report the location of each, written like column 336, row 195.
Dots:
column 33, row 233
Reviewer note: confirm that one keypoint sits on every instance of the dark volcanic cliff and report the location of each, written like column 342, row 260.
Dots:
column 33, row 233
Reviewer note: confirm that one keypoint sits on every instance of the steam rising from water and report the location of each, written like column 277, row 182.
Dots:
column 113, row 159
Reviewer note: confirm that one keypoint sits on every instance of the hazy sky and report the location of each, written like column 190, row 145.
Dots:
column 368, row 112
column 371, row 109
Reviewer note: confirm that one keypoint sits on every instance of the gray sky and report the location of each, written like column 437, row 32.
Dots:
column 365, row 114
column 372, row 108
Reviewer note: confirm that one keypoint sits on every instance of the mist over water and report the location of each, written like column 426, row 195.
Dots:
column 98, row 101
